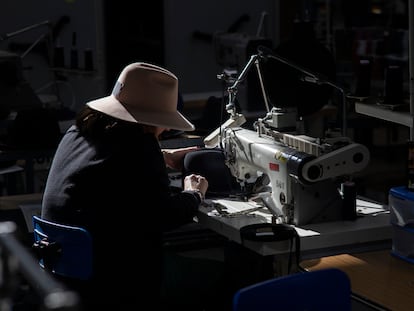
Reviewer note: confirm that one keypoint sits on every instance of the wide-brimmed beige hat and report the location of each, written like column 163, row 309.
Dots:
column 147, row 94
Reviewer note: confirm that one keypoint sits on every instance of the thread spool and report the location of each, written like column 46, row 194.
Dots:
column 393, row 86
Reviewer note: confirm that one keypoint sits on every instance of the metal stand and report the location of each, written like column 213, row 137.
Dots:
column 16, row 261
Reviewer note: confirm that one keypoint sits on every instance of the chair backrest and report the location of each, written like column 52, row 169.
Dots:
column 211, row 164
column 63, row 250
column 319, row 290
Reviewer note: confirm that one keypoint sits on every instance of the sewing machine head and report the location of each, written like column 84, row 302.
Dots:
column 296, row 176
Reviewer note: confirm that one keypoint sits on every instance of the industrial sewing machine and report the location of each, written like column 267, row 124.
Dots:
column 298, row 178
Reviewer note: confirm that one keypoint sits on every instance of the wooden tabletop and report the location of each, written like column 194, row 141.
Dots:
column 377, row 276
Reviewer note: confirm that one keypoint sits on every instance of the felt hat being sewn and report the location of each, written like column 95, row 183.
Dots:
column 145, row 93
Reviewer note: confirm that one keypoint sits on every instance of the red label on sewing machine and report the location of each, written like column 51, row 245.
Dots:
column 274, row 166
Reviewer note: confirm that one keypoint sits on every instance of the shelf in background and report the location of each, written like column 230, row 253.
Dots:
column 403, row 118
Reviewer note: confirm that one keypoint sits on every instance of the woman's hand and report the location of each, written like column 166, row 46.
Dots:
column 174, row 157
column 196, row 183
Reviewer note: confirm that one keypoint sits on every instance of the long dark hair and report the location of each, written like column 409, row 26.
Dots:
column 94, row 124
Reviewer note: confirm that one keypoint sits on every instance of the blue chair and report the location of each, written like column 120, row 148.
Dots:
column 65, row 251
column 319, row 290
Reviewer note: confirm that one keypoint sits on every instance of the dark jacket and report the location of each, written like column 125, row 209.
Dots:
column 117, row 187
